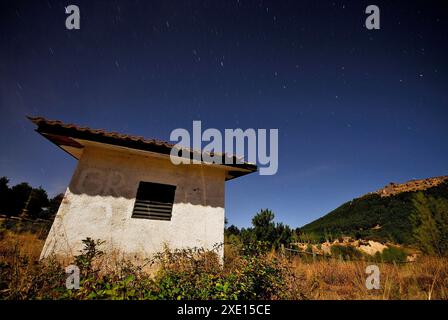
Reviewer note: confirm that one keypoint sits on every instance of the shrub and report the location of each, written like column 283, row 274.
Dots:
column 182, row 274
column 197, row 274
column 89, row 253
column 391, row 255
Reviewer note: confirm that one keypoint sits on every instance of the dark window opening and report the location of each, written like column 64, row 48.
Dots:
column 154, row 201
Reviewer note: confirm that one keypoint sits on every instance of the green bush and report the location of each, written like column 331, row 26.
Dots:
column 197, row 274
column 391, row 255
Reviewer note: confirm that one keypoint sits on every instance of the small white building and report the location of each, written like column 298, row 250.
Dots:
column 126, row 191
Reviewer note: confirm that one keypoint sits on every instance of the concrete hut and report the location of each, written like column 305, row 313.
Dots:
column 127, row 192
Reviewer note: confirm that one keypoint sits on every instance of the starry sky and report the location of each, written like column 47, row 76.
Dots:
column 355, row 108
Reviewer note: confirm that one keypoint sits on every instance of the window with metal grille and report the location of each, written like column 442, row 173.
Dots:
column 154, row 201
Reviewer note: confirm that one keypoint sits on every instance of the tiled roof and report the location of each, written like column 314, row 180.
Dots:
column 64, row 134
column 42, row 122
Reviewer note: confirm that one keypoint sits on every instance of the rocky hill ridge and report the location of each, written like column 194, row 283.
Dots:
column 410, row 186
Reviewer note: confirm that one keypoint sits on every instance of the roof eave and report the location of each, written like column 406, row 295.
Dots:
column 66, row 135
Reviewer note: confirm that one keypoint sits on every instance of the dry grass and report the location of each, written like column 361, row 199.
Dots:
column 334, row 280
column 24, row 244
column 325, row 279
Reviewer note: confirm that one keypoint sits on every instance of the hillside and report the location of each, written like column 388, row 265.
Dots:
column 383, row 215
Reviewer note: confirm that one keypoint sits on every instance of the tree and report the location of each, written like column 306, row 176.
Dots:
column 264, row 226
column 264, row 230
column 283, row 235
column 20, row 195
column 232, row 230
column 24, row 199
column 5, row 194
column 37, row 203
column 430, row 221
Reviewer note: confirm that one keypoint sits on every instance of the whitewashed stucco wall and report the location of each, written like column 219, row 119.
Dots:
column 99, row 201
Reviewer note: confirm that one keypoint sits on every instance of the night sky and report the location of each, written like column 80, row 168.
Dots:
column 356, row 109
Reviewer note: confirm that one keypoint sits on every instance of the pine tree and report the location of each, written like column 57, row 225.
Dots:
column 430, row 221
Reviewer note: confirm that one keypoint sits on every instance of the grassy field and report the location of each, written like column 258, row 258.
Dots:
column 426, row 279
column 197, row 274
